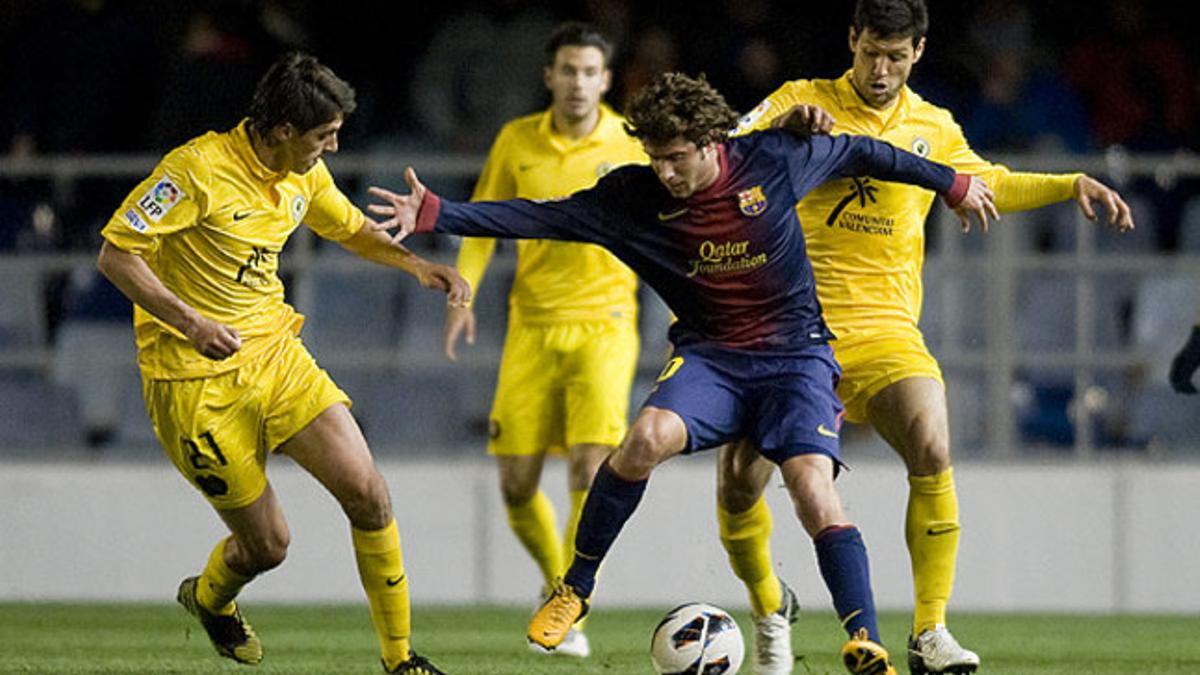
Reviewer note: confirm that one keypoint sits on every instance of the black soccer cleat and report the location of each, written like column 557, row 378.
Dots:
column 415, row 665
column 231, row 636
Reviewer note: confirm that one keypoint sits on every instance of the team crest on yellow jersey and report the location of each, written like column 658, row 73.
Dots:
column 920, row 147
column 299, row 206
column 752, row 202
column 603, row 168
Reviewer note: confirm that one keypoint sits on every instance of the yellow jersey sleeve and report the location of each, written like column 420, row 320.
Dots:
column 331, row 214
column 1014, row 191
column 780, row 101
column 495, row 183
column 173, row 198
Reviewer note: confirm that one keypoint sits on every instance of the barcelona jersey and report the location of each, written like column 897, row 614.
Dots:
column 730, row 261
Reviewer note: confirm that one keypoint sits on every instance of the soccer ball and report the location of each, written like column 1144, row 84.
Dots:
column 697, row 639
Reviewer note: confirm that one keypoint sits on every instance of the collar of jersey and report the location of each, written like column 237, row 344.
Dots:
column 606, row 126
column 245, row 149
column 850, row 99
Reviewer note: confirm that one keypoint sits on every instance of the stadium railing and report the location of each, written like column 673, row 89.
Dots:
column 1054, row 334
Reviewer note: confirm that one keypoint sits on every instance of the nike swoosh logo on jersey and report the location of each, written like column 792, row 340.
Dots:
column 824, row 431
column 241, row 215
column 945, row 528
column 394, row 582
column 525, row 167
column 664, row 217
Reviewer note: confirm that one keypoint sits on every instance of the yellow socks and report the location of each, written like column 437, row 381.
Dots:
column 568, row 544
column 534, row 524
column 747, row 539
column 219, row 584
column 932, row 532
column 381, row 568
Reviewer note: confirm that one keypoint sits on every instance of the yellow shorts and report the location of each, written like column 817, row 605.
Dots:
column 218, row 430
column 561, row 385
column 870, row 364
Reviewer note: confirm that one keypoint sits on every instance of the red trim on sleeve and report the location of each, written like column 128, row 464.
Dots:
column 427, row 215
column 958, row 190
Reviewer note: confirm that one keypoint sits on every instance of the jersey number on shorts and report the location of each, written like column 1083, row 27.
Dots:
column 213, row 486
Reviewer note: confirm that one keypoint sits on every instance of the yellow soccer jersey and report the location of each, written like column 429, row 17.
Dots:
column 556, row 281
column 866, row 238
column 211, row 221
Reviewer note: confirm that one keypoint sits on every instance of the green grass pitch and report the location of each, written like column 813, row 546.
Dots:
column 162, row 640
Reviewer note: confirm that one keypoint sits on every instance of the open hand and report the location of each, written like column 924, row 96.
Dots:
column 401, row 210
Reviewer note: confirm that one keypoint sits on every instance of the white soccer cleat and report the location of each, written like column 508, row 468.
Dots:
column 773, row 636
column 936, row 652
column 574, row 644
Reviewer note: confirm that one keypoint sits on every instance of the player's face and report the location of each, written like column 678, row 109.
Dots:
column 577, row 81
column 882, row 66
column 304, row 149
column 683, row 168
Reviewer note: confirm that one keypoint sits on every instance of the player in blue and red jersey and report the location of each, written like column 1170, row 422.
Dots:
column 710, row 225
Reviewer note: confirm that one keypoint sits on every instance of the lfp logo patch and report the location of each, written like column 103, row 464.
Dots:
column 160, row 199
column 752, row 202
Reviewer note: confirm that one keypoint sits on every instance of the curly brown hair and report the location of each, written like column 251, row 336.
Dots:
column 674, row 105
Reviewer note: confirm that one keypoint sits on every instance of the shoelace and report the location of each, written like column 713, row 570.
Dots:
column 561, row 611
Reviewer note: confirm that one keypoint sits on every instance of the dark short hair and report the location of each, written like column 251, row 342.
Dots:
column 674, row 105
column 577, row 34
column 891, row 19
column 299, row 90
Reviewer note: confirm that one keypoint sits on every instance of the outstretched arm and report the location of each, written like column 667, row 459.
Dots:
column 131, row 274
column 860, row 155
column 582, row 217
column 377, row 247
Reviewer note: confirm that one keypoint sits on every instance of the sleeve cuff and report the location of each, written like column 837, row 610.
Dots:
column 427, row 216
column 958, row 190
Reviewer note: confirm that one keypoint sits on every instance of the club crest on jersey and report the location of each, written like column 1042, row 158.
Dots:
column 921, row 147
column 160, row 199
column 603, row 168
column 752, row 202
column 299, row 207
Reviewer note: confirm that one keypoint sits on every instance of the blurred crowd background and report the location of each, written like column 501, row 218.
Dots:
column 1107, row 78
column 129, row 76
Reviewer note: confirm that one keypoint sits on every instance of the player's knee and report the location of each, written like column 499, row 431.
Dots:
column 267, row 552
column 929, row 457
column 740, row 479
column 369, row 505
column 517, row 490
column 645, row 447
